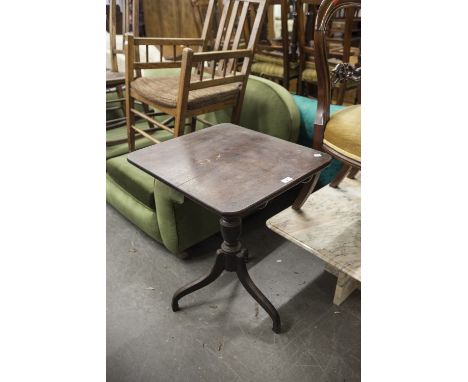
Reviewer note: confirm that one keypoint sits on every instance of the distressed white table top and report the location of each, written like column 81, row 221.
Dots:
column 328, row 225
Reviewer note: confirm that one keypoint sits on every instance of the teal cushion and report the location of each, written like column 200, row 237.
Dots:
column 308, row 110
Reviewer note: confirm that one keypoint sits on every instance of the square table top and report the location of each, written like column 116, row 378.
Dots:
column 229, row 169
column 328, row 225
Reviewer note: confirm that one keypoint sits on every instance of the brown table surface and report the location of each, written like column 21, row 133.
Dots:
column 229, row 169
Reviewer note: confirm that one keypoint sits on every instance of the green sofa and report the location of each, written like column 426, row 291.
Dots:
column 166, row 215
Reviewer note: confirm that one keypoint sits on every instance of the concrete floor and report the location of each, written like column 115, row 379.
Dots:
column 221, row 333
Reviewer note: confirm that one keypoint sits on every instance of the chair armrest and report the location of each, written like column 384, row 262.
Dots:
column 221, row 55
column 168, row 41
column 227, row 60
column 136, row 64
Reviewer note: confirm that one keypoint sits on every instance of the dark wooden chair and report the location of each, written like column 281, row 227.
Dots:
column 342, row 42
column 276, row 58
column 215, row 83
column 340, row 134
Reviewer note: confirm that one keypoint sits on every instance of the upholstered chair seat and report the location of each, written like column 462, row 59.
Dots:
column 272, row 66
column 343, row 132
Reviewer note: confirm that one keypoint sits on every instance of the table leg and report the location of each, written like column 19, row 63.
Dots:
column 231, row 257
column 258, row 295
column 212, row 275
column 344, row 287
column 305, row 192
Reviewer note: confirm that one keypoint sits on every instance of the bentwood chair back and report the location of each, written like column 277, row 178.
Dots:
column 342, row 42
column 216, row 83
column 339, row 134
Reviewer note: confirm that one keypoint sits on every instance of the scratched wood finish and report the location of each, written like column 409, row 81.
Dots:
column 229, row 169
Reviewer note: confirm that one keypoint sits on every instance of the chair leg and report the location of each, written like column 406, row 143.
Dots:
column 340, row 176
column 120, row 95
column 130, row 102
column 147, row 111
column 305, row 192
column 179, row 124
column 353, row 173
column 236, row 110
column 357, row 100
column 341, row 94
column 299, row 87
column 193, row 124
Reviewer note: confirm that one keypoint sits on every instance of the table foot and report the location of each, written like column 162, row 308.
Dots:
column 212, row 275
column 345, row 285
column 232, row 258
column 256, row 293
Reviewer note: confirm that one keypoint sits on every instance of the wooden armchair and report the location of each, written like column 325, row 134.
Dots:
column 215, row 84
column 340, row 134
column 274, row 58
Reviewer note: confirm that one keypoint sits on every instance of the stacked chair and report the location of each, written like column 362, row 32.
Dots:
column 115, row 80
column 342, row 44
column 120, row 22
column 276, row 57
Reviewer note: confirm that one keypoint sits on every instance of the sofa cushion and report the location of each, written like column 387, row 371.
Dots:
column 131, row 179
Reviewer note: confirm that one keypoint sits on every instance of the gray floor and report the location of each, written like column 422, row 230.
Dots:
column 221, row 334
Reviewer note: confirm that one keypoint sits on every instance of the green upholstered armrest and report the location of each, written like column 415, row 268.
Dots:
column 182, row 222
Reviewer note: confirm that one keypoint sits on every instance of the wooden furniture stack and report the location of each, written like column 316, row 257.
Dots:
column 122, row 21
column 276, row 58
column 342, row 42
column 115, row 80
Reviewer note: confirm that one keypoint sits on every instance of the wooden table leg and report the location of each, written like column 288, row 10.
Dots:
column 344, row 287
column 231, row 257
